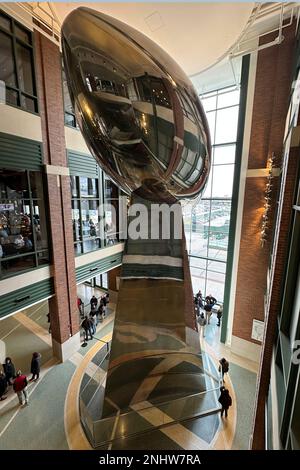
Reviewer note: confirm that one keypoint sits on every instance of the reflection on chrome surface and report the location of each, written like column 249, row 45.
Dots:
column 138, row 112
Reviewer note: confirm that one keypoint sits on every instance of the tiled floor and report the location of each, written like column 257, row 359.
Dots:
column 50, row 421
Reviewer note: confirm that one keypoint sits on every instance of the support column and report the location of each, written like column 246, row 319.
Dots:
column 63, row 306
column 270, row 105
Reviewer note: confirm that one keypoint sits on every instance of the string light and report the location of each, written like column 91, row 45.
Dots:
column 267, row 204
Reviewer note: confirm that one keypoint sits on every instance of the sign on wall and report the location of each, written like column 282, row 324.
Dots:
column 258, row 330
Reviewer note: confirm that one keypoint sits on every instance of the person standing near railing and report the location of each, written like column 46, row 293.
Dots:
column 225, row 400
column 202, row 323
column 223, row 367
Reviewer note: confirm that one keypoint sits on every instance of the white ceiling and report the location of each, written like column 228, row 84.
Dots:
column 196, row 35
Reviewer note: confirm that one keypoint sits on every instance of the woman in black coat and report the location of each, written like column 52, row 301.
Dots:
column 9, row 371
column 35, row 366
column 225, row 400
column 3, row 385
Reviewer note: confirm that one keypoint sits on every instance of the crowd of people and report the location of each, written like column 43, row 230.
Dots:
column 203, row 309
column 17, row 380
column 98, row 310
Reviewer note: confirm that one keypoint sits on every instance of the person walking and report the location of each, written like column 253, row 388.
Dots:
column 209, row 303
column 20, row 387
column 223, row 367
column 3, row 385
column 100, row 313
column 86, row 325
column 202, row 323
column 93, row 318
column 219, row 315
column 94, row 302
column 35, row 366
column 225, row 401
column 9, row 370
column 196, row 305
column 200, row 299
column 80, row 306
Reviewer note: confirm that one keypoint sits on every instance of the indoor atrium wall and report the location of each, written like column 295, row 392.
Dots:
column 271, row 94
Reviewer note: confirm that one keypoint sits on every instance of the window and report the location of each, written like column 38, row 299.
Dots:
column 70, row 119
column 23, row 222
column 207, row 223
column 17, row 64
column 94, row 226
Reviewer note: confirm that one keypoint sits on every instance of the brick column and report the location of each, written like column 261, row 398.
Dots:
column 270, row 105
column 290, row 178
column 63, row 306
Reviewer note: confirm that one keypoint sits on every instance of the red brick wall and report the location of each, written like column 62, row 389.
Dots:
column 270, row 105
column 274, row 299
column 63, row 307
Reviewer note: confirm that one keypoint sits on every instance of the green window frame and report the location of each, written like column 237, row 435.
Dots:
column 21, row 39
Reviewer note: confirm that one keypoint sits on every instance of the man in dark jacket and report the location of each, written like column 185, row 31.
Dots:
column 35, row 366
column 9, row 371
column 225, row 400
column 87, row 326
column 94, row 302
column 224, row 366
column 3, row 385
column 209, row 303
column 20, row 387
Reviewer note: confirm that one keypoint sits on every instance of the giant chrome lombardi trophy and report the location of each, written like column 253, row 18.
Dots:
column 143, row 122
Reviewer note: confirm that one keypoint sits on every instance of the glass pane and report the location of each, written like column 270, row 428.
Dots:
column 198, row 279
column 216, row 266
column 25, row 68
column 40, row 224
column 209, row 103
column 224, row 154
column 222, row 181
column 76, row 220
column 77, row 249
column 218, row 245
column 111, row 226
column 88, row 186
column 111, row 190
column 13, row 185
column 7, row 68
column 12, row 97
column 91, row 245
column 23, row 34
column 90, row 219
column 16, row 232
column 228, row 99
column 211, row 116
column 215, row 285
column 105, row 280
column 200, row 217
column 226, row 126
column 199, row 263
column 74, row 186
column 70, row 120
column 43, row 258
column 30, row 104
column 207, row 190
column 11, row 266
column 5, row 23
column 218, row 230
